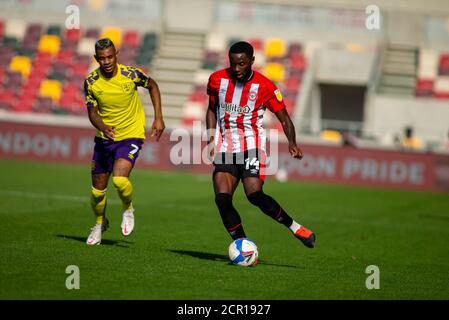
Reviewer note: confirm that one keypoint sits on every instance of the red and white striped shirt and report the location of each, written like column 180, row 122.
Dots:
column 240, row 107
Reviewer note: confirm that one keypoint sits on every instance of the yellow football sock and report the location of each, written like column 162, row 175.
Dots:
column 98, row 204
column 125, row 191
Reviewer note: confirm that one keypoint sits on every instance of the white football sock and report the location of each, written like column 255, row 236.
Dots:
column 295, row 226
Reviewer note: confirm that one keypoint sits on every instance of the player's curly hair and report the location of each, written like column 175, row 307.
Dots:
column 242, row 47
column 104, row 44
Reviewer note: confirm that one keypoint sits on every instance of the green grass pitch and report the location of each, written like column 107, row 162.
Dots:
column 178, row 249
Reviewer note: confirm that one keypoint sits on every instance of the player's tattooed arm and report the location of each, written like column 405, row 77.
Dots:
column 290, row 133
column 158, row 125
column 98, row 123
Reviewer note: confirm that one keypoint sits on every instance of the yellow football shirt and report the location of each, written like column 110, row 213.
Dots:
column 118, row 101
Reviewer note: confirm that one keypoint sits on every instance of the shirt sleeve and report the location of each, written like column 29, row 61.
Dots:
column 211, row 86
column 89, row 97
column 140, row 78
column 274, row 101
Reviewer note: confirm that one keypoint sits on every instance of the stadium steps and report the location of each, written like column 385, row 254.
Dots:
column 398, row 71
column 174, row 67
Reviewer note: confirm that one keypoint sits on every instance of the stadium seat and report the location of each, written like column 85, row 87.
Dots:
column 54, row 30
column 65, row 57
column 97, row 5
column 86, row 46
column 72, row 35
column 42, row 105
column 92, row 33
column 7, row 99
column 215, row 42
column 21, row 64
column 13, row 80
column 294, row 49
column 2, row 29
column 200, row 97
column 49, row 44
column 441, row 87
column 428, row 64
column 424, row 87
column 192, row 111
column 292, row 83
column 211, row 60
column 260, row 60
column 131, row 38
column 257, row 44
column 201, row 77
column 274, row 71
column 275, row 48
column 15, row 28
column 6, row 55
column 331, row 135
column 113, row 33
column 355, row 47
column 297, row 62
column 24, row 103
column 51, row 89
column 412, row 143
column 444, row 64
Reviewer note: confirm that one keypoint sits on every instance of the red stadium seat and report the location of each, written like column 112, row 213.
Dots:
column 298, row 62
column 292, row 83
column 92, row 33
column 441, row 95
column 65, row 57
column 443, row 68
column 424, row 87
column 7, row 99
column 198, row 97
column 131, row 38
column 2, row 29
column 294, row 49
column 257, row 44
column 72, row 35
column 25, row 103
column 43, row 105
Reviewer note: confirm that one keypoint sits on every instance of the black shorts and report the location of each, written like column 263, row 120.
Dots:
column 250, row 163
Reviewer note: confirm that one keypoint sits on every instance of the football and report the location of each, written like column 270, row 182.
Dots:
column 243, row 252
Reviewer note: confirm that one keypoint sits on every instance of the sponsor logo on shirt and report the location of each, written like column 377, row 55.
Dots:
column 232, row 108
column 278, row 95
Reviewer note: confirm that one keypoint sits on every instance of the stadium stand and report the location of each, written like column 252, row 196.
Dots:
column 281, row 61
column 299, row 47
column 42, row 68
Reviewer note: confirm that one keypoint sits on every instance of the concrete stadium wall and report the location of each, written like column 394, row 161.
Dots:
column 388, row 116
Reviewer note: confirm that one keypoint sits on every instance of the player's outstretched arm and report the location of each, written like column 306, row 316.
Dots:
column 290, row 133
column 98, row 123
column 158, row 125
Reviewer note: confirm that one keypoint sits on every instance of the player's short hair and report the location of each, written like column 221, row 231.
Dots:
column 242, row 47
column 104, row 44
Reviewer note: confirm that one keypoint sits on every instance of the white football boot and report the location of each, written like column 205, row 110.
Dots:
column 128, row 222
column 96, row 232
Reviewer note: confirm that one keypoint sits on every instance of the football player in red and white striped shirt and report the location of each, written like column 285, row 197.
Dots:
column 238, row 98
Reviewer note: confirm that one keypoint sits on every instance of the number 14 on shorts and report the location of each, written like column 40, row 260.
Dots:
column 251, row 163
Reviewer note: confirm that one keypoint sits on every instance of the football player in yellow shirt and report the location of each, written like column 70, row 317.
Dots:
column 115, row 110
